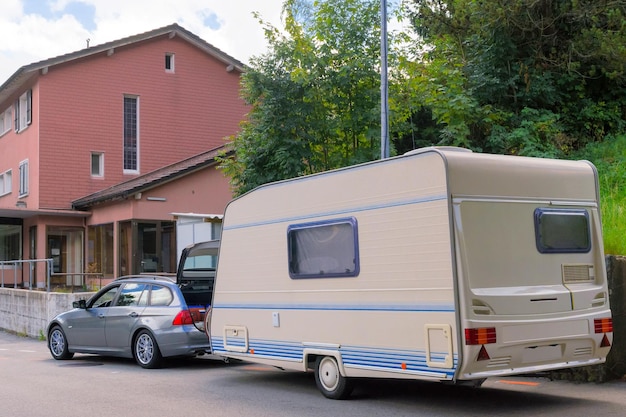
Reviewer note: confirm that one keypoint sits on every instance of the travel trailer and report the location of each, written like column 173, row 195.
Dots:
column 441, row 264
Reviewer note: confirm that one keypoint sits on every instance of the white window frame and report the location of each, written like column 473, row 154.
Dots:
column 6, row 182
column 23, row 110
column 23, row 168
column 5, row 121
column 170, row 56
column 124, row 137
column 100, row 172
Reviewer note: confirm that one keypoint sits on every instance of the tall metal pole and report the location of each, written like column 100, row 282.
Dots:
column 384, row 84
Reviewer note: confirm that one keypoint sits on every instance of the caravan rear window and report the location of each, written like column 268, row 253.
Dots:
column 323, row 249
column 562, row 230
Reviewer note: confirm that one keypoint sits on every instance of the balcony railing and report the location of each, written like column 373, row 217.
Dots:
column 23, row 274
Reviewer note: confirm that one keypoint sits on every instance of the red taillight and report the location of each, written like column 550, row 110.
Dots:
column 603, row 325
column 480, row 336
column 183, row 317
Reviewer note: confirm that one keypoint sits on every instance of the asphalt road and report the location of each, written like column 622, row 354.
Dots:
column 33, row 384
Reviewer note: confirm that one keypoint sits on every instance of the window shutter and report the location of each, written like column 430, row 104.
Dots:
column 29, row 106
column 16, row 114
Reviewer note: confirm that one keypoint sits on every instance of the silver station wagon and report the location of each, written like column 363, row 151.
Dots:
column 141, row 317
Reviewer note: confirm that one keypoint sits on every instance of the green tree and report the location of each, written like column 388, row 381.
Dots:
column 314, row 97
column 534, row 77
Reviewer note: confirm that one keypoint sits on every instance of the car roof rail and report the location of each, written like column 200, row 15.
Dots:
column 142, row 276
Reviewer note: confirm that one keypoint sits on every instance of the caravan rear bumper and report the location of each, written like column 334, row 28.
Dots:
column 537, row 346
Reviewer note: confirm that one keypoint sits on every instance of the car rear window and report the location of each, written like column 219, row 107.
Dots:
column 160, row 296
column 130, row 294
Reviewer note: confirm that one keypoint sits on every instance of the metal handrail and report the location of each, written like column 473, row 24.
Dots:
column 31, row 262
column 17, row 264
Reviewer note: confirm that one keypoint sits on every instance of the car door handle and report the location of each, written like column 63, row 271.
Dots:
column 133, row 314
column 100, row 316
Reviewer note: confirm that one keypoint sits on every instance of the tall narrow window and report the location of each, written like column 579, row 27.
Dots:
column 23, row 110
column 5, row 182
column 5, row 121
column 97, row 164
column 23, row 178
column 131, row 133
column 169, row 62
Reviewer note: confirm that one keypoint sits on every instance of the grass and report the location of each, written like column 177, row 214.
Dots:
column 610, row 159
column 613, row 227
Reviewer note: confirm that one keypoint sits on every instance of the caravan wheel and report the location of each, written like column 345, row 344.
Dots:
column 329, row 380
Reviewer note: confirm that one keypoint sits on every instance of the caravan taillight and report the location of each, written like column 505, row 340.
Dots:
column 603, row 325
column 481, row 336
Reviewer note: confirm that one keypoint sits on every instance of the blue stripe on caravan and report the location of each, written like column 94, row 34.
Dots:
column 339, row 212
column 420, row 308
column 353, row 356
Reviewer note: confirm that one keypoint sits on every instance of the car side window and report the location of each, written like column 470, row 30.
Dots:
column 160, row 296
column 130, row 294
column 106, row 298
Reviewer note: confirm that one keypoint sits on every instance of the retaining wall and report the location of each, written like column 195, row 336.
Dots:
column 28, row 313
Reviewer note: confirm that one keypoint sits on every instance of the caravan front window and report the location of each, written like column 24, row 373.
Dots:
column 562, row 230
column 323, row 249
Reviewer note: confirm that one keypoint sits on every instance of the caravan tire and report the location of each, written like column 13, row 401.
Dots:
column 329, row 380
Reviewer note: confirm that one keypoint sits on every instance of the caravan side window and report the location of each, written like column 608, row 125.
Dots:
column 562, row 230
column 323, row 249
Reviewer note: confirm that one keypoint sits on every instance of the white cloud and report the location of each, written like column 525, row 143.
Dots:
column 44, row 29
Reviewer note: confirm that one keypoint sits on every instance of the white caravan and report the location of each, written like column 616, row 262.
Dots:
column 441, row 264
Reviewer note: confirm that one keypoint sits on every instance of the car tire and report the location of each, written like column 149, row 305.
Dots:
column 329, row 380
column 146, row 350
column 57, row 344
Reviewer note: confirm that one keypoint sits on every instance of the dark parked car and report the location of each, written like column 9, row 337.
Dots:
column 142, row 317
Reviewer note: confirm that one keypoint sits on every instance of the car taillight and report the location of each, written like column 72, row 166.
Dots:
column 183, row 317
column 603, row 325
column 480, row 336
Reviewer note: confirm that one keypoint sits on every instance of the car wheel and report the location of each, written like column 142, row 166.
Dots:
column 329, row 380
column 57, row 343
column 146, row 350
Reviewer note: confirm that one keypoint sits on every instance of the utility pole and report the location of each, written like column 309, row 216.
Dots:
column 384, row 84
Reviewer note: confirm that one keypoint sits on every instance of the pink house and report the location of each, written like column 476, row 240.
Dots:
column 99, row 147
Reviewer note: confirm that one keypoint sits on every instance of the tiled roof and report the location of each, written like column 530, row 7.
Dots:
column 152, row 179
column 26, row 72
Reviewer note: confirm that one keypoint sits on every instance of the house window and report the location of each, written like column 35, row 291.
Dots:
column 11, row 240
column 23, row 178
column 562, row 230
column 23, row 111
column 5, row 182
column 147, row 247
column 323, row 249
column 169, row 62
column 131, row 133
column 100, row 249
column 97, row 164
column 5, row 121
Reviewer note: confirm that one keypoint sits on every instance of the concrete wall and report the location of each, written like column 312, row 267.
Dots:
column 28, row 312
column 616, row 273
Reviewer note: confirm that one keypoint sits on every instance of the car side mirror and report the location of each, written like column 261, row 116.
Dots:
column 80, row 304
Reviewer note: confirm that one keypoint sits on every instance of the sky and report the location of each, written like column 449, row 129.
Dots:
column 34, row 30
